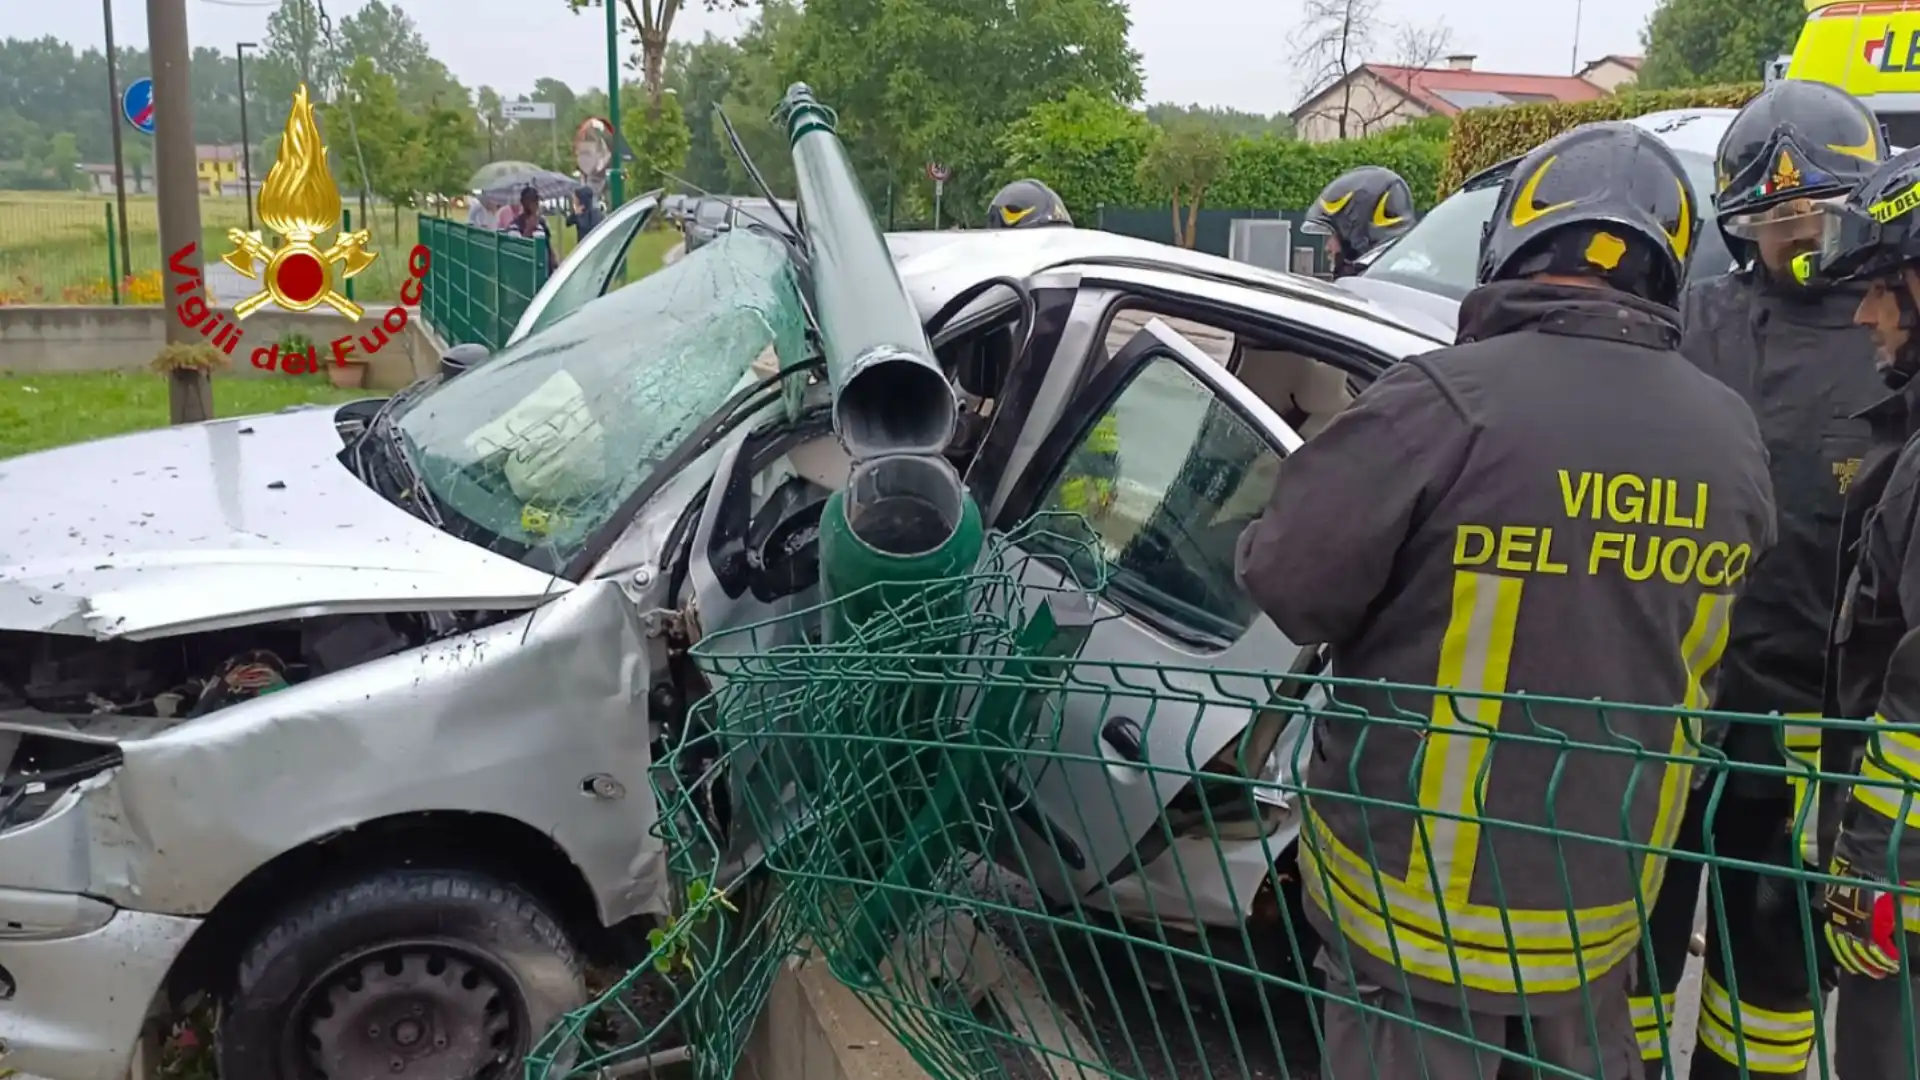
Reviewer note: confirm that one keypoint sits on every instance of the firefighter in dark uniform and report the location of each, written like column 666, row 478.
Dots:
column 1870, row 831
column 1089, row 487
column 1483, row 519
column 1792, row 351
column 1361, row 210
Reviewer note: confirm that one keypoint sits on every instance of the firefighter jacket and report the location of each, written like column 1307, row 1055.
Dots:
column 1560, row 505
column 1876, row 651
column 1088, row 485
column 1807, row 372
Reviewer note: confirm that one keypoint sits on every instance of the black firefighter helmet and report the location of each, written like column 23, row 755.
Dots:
column 1363, row 208
column 1024, row 204
column 1875, row 230
column 1793, row 146
column 1605, row 200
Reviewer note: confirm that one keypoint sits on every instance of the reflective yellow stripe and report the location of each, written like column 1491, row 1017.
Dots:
column 1769, row 1024
column 1496, row 970
column 1483, row 925
column 1894, row 801
column 1898, row 749
column 1491, row 943
column 1774, row 1042
column 1474, row 657
column 1700, row 650
column 1650, row 1024
column 1803, row 749
column 1105, row 437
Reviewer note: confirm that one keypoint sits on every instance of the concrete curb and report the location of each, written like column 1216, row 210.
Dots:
column 814, row 1028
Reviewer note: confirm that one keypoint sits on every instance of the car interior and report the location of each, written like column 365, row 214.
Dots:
column 1173, row 519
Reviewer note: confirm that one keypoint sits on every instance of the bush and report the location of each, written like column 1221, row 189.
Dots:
column 1485, row 137
column 1286, row 174
column 1086, row 147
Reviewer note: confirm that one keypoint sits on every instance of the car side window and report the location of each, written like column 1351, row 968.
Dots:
column 1168, row 478
column 586, row 275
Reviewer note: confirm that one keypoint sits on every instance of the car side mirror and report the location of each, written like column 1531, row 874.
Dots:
column 783, row 544
column 461, row 358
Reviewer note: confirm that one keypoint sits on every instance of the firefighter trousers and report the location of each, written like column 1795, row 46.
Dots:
column 1757, row 999
column 1876, row 1035
column 1373, row 1033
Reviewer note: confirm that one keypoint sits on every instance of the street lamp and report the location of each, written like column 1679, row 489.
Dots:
column 246, row 144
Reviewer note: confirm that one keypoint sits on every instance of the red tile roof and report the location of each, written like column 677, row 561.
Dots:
column 1447, row 91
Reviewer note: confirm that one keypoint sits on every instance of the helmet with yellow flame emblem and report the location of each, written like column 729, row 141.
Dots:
column 1607, row 201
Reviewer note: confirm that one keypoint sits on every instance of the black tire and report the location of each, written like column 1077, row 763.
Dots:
column 505, row 973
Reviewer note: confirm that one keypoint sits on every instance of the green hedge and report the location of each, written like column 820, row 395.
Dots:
column 1287, row 174
column 1484, row 137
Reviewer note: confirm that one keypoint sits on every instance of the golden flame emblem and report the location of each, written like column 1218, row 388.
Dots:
column 300, row 202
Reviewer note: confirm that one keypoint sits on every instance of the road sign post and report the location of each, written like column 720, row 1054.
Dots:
column 536, row 110
column 938, row 173
column 119, row 159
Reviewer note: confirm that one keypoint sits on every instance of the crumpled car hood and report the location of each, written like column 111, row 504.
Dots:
column 220, row 524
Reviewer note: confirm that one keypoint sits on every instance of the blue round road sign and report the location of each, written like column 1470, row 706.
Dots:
column 137, row 104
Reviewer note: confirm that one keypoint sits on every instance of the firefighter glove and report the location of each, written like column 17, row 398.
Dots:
column 1863, row 923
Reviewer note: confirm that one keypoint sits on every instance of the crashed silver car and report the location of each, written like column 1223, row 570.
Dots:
column 342, row 717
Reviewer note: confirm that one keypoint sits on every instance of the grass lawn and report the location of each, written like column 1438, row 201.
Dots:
column 41, row 411
column 647, row 250
column 54, row 246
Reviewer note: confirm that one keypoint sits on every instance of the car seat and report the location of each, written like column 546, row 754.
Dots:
column 1304, row 391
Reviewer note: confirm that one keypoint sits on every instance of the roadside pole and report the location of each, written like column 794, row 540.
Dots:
column 189, row 393
column 119, row 162
column 616, row 183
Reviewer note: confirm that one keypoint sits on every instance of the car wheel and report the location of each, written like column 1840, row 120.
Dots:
column 415, row 974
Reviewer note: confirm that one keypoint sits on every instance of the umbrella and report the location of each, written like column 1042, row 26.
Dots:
column 504, row 185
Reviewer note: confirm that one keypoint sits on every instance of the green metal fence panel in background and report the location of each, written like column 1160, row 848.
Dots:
column 481, row 281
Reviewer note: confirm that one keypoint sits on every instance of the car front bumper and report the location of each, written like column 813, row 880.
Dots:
column 77, row 976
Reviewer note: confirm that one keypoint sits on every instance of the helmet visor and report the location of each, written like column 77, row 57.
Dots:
column 1848, row 239
column 1801, row 219
column 1316, row 226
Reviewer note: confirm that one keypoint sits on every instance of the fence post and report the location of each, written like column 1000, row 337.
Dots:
column 113, row 260
column 493, row 322
column 346, row 226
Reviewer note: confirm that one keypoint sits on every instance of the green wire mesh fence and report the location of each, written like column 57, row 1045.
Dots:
column 711, row 963
column 1031, row 862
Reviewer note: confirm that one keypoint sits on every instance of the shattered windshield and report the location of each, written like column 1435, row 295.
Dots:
column 538, row 447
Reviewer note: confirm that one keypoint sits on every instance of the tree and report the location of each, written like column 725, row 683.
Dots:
column 760, row 74
column 62, row 162
column 651, row 24
column 1704, row 42
column 1183, row 162
column 486, row 102
column 702, row 75
column 1087, row 148
column 388, row 36
column 1338, row 37
column 1232, row 121
column 386, row 135
column 918, row 81
column 295, row 52
column 658, row 138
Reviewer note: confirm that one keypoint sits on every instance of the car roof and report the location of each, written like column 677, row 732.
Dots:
column 943, row 263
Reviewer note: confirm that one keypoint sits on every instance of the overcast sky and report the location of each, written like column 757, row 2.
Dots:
column 1216, row 52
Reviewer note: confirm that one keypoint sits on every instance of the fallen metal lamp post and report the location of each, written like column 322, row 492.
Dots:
column 904, row 517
